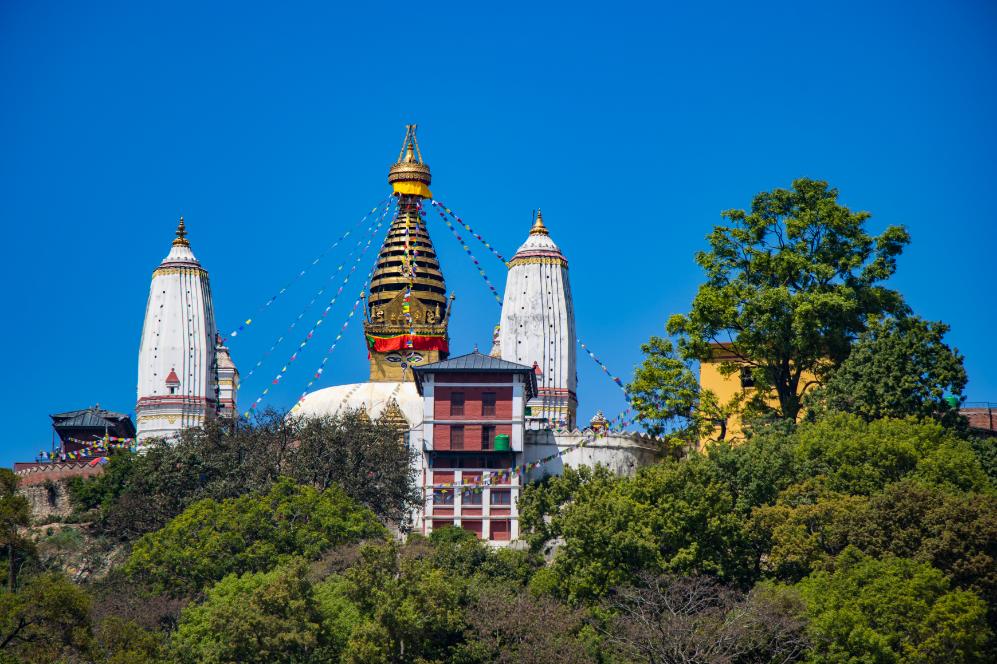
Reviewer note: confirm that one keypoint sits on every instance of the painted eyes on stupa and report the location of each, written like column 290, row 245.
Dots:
column 408, row 358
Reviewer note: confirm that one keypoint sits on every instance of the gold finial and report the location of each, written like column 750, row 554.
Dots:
column 181, row 240
column 538, row 225
column 409, row 175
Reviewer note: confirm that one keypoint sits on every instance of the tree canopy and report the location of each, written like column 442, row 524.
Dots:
column 898, row 367
column 251, row 533
column 788, row 286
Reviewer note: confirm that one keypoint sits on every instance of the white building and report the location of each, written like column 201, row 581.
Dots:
column 185, row 375
column 537, row 327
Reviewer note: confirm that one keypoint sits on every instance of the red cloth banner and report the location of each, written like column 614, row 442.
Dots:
column 407, row 342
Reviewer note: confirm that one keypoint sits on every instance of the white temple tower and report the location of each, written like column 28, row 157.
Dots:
column 538, row 327
column 185, row 374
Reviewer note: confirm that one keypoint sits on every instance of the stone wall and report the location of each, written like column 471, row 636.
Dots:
column 47, row 499
column 622, row 453
column 44, row 485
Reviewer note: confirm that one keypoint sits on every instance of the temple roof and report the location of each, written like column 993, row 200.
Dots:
column 94, row 418
column 539, row 244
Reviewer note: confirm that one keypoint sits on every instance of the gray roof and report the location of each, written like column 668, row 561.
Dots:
column 93, row 417
column 474, row 362
column 478, row 363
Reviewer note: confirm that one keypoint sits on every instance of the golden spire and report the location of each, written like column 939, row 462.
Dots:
column 538, row 225
column 409, row 175
column 181, row 240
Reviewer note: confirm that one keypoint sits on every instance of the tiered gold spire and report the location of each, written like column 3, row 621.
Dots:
column 408, row 309
column 181, row 240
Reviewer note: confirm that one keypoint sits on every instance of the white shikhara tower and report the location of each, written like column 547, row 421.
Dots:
column 185, row 374
column 538, row 327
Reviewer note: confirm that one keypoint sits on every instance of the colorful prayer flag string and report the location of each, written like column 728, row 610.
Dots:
column 373, row 229
column 311, row 332
column 602, row 366
column 249, row 321
column 321, row 367
column 460, row 221
column 467, row 250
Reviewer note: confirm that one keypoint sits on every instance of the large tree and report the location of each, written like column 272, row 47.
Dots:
column 669, row 400
column 899, row 367
column 788, row 286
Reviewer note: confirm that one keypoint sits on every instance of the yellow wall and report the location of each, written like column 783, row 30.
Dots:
column 727, row 387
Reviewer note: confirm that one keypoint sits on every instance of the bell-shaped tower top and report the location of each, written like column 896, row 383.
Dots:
column 408, row 305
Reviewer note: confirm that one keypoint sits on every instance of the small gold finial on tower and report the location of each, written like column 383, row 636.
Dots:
column 538, row 225
column 181, row 240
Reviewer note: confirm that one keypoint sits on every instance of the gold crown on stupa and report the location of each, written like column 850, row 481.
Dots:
column 409, row 175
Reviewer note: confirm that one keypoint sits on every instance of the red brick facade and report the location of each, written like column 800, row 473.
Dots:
column 471, row 410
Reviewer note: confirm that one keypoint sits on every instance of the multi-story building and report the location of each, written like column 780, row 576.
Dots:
column 472, row 433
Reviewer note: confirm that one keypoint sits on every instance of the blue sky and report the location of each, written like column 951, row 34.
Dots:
column 271, row 130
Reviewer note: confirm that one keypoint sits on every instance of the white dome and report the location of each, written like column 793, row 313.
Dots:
column 374, row 397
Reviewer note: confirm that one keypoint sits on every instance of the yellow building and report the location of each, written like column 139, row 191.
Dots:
column 728, row 387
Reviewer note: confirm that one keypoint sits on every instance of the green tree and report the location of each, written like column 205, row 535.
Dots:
column 540, row 503
column 47, row 619
column 891, row 610
column 756, row 470
column 675, row 516
column 410, row 608
column 120, row 641
column 14, row 514
column 898, row 367
column 251, row 533
column 256, row 617
column 954, row 532
column 806, row 528
column 141, row 493
column 668, row 398
column 860, row 457
column 100, row 491
column 368, row 458
column 788, row 286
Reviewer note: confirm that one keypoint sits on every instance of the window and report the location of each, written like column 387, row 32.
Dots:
column 747, row 380
column 443, row 496
column 487, row 436
column 457, row 403
column 501, row 497
column 457, row 437
column 470, row 497
column 499, row 530
column 488, row 403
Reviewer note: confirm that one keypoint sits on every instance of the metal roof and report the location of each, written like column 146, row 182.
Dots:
column 93, row 417
column 478, row 363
